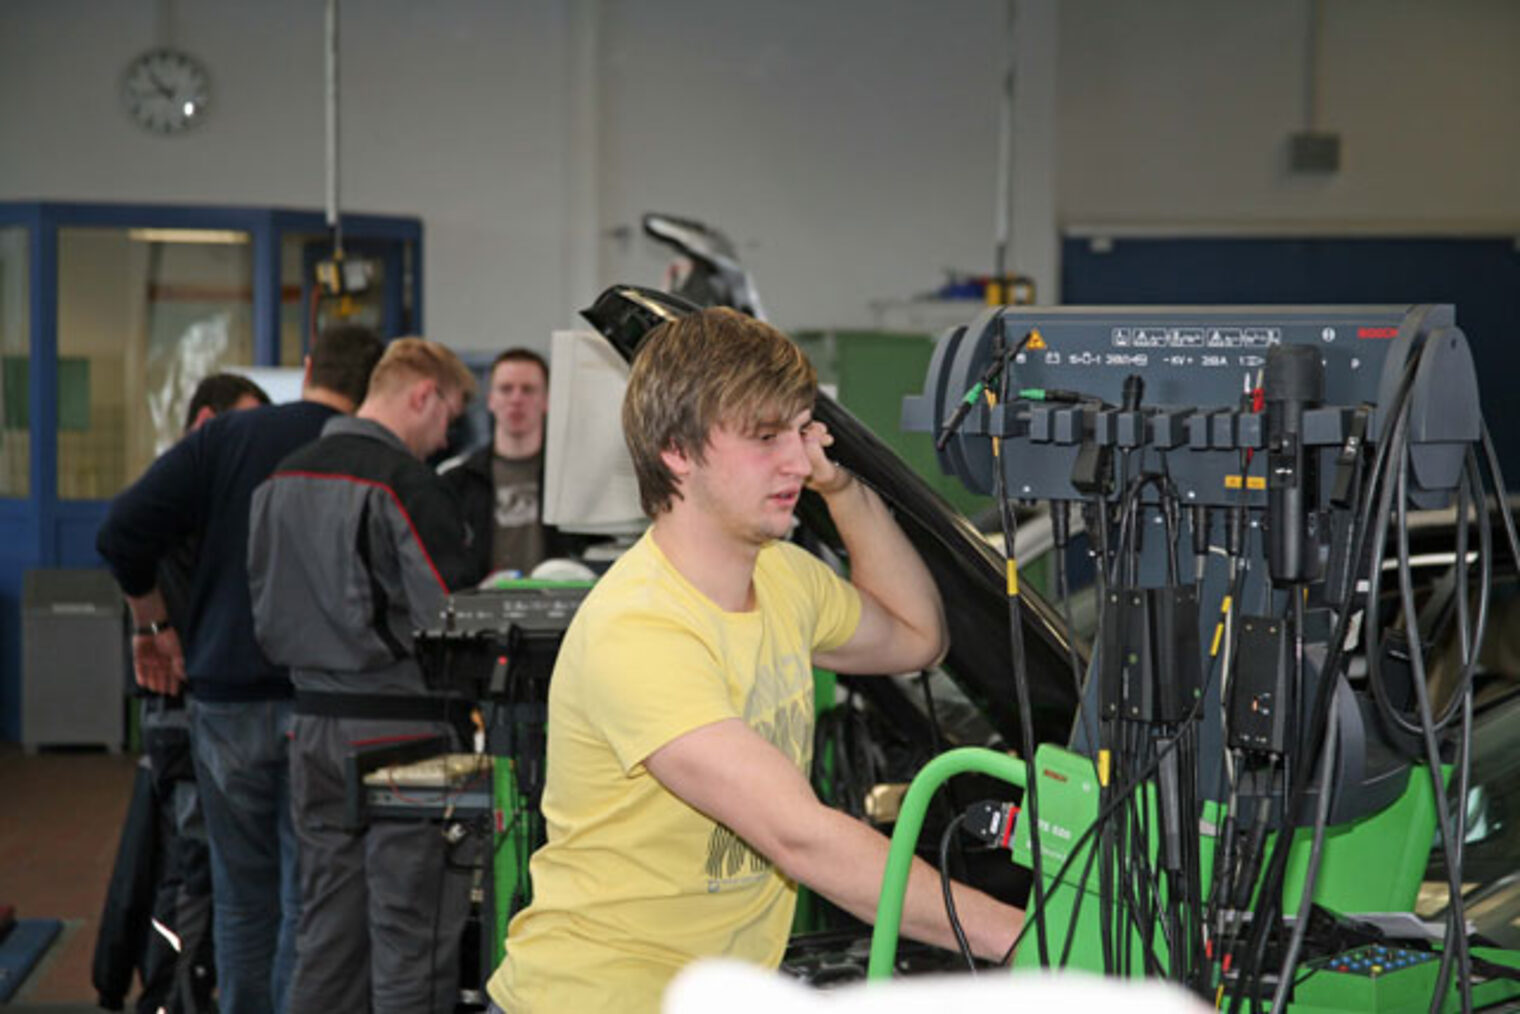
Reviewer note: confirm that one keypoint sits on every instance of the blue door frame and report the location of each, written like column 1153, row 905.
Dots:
column 42, row 531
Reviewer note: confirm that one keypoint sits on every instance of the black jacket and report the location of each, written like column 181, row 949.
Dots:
column 476, row 489
column 200, row 489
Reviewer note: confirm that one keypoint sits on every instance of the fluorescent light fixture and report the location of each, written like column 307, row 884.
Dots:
column 188, row 235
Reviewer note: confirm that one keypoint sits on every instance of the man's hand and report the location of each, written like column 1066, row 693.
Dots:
column 157, row 658
column 159, row 662
column 826, row 477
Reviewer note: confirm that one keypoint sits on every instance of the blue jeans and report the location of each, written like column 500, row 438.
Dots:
column 242, row 763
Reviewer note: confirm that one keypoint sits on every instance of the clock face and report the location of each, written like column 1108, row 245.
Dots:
column 166, row 91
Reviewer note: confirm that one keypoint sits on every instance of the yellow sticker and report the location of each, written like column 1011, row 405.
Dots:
column 1232, row 482
column 1013, row 578
column 1256, row 482
column 1103, row 763
column 1036, row 341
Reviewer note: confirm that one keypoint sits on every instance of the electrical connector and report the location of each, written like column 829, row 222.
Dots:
column 991, row 822
column 1051, row 394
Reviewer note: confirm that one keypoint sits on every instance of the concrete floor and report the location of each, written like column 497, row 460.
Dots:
column 60, row 817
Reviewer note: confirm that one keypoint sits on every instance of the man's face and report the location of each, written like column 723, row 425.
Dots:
column 518, row 398
column 750, row 478
column 440, row 409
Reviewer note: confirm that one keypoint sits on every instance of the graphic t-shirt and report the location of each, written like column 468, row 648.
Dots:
column 517, row 537
column 634, row 884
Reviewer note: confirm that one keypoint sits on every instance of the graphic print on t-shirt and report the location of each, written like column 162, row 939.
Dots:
column 516, row 505
column 779, row 708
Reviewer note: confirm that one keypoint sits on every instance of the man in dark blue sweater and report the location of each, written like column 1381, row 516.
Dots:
column 241, row 709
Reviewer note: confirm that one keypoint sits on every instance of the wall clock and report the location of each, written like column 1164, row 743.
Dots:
column 166, row 91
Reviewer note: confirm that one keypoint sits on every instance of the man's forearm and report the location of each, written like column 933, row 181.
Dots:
column 849, row 873
column 148, row 608
column 884, row 563
column 727, row 771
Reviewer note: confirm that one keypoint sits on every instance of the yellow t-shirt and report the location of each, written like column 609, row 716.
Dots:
column 633, row 883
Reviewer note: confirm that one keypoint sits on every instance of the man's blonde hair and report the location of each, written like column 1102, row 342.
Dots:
column 410, row 359
column 713, row 368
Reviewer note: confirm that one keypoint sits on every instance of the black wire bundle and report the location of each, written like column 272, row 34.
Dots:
column 1120, row 798
column 1383, row 507
column 1125, row 818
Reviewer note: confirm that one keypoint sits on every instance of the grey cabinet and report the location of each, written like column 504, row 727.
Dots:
column 74, row 661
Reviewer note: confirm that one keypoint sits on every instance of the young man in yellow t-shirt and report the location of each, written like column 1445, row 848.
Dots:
column 680, row 819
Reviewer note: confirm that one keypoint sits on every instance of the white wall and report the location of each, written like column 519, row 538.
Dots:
column 1178, row 111
column 848, row 146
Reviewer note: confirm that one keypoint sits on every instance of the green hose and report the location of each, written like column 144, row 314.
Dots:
column 910, row 821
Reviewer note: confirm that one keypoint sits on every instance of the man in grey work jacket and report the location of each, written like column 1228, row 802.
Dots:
column 354, row 544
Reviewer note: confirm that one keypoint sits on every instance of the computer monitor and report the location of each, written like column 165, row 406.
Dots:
column 589, row 483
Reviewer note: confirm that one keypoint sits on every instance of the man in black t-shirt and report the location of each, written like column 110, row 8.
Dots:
column 500, row 486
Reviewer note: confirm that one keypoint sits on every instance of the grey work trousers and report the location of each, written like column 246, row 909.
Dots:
column 383, row 906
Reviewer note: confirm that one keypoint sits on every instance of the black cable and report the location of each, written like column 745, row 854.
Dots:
column 1457, row 930
column 1135, row 830
column 994, row 373
column 1076, row 910
column 1374, row 674
column 945, row 886
column 1380, row 506
column 1184, row 878
column 503, row 838
column 1105, row 812
column 1470, row 643
column 1095, row 516
column 1311, row 873
column 1020, row 669
column 1470, row 646
column 1060, row 509
column 1248, row 869
column 1227, row 632
column 1502, row 494
column 1129, row 521
column 1106, row 847
column 1391, row 457
column 1224, row 861
column 936, row 739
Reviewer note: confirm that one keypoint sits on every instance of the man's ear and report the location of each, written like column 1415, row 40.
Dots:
column 205, row 415
column 421, row 391
column 677, row 460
